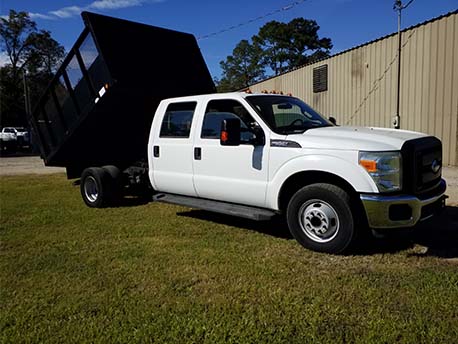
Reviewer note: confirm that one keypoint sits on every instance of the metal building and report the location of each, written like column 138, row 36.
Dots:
column 359, row 86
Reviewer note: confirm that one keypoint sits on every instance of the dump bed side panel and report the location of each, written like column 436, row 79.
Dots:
column 99, row 108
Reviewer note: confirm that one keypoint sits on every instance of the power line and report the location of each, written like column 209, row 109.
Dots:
column 233, row 27
column 407, row 5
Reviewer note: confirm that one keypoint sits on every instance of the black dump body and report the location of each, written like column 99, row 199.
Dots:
column 99, row 107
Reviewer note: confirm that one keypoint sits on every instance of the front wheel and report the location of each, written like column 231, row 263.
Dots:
column 320, row 218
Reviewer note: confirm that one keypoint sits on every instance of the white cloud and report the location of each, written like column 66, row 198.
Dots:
column 114, row 4
column 70, row 11
column 41, row 16
column 67, row 12
column 4, row 59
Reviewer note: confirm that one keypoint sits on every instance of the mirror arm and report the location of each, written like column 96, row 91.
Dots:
column 260, row 139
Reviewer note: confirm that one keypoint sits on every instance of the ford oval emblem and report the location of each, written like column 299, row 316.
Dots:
column 435, row 166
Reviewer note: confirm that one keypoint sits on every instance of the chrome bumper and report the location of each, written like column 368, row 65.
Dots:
column 403, row 210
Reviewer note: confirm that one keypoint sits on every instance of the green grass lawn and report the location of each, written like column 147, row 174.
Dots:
column 165, row 274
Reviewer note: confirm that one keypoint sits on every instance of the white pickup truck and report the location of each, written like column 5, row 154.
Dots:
column 257, row 155
column 8, row 138
column 125, row 119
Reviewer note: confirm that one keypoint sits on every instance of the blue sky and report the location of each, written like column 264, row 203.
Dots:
column 347, row 22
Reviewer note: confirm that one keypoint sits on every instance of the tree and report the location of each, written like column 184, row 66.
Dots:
column 277, row 47
column 15, row 38
column 289, row 45
column 46, row 53
column 12, row 103
column 43, row 59
column 29, row 51
column 242, row 68
column 305, row 45
column 273, row 38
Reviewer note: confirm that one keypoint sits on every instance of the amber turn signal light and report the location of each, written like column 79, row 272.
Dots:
column 369, row 165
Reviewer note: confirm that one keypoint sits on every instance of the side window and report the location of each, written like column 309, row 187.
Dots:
column 88, row 51
column 79, row 83
column 177, row 120
column 74, row 72
column 219, row 110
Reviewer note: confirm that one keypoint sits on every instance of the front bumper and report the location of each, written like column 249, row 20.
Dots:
column 402, row 210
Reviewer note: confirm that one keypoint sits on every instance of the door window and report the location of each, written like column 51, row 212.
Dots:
column 219, row 110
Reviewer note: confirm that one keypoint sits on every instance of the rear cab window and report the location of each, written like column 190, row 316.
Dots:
column 177, row 120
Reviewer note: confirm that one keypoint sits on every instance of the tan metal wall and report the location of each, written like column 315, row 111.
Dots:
column 362, row 83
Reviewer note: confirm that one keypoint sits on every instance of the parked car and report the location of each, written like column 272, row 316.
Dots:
column 23, row 136
column 8, row 139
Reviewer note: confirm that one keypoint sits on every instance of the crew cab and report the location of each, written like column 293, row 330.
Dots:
column 256, row 155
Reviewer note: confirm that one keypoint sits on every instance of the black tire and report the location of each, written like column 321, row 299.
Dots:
column 320, row 218
column 114, row 183
column 94, row 187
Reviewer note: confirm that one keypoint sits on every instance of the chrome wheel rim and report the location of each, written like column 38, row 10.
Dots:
column 319, row 221
column 90, row 189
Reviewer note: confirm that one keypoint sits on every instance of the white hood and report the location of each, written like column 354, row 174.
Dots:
column 354, row 138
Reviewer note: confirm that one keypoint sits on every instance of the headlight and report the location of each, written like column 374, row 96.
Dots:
column 384, row 168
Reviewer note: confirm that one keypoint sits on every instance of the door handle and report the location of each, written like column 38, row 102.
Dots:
column 197, row 153
column 156, row 151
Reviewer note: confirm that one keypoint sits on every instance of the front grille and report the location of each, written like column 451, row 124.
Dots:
column 422, row 165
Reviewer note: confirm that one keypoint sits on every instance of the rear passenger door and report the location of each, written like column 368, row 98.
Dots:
column 173, row 151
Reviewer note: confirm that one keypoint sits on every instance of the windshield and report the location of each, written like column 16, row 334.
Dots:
column 287, row 115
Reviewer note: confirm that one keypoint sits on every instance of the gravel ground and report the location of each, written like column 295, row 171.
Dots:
column 10, row 166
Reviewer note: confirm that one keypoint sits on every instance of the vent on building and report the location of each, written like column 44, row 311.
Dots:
column 320, row 78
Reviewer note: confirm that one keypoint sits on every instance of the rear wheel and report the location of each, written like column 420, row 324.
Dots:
column 320, row 218
column 94, row 187
column 114, row 183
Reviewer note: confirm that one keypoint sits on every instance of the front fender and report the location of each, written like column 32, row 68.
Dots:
column 354, row 174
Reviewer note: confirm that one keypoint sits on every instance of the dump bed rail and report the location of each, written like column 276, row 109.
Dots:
column 99, row 107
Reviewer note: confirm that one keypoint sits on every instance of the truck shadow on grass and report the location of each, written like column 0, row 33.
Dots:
column 130, row 201
column 439, row 236
column 276, row 227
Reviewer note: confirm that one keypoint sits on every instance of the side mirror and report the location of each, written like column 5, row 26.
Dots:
column 230, row 132
column 333, row 120
column 260, row 139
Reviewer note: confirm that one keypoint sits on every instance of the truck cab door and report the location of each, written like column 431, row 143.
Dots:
column 170, row 151
column 236, row 174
